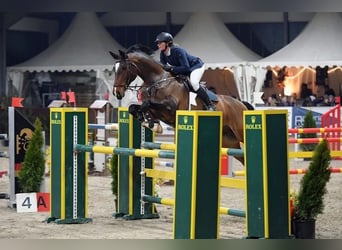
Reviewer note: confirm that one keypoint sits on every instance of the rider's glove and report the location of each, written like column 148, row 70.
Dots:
column 168, row 68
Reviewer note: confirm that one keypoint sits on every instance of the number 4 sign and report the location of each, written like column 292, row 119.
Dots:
column 26, row 202
column 33, row 202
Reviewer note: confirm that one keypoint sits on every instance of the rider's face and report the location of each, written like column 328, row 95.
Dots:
column 162, row 46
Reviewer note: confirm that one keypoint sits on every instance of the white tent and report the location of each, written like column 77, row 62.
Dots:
column 206, row 36
column 83, row 47
column 319, row 44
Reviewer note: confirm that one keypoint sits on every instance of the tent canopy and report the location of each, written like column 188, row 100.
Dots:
column 319, row 44
column 84, row 46
column 206, row 36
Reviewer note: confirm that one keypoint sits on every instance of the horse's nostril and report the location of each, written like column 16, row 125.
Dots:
column 118, row 96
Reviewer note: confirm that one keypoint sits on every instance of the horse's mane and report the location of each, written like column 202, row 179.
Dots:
column 140, row 48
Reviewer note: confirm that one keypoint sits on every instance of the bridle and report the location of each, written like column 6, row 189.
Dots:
column 131, row 76
column 132, row 70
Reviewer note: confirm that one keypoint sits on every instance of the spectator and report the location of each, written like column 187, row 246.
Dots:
column 305, row 92
column 272, row 100
column 328, row 90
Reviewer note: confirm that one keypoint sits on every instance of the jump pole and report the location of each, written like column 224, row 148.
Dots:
column 69, row 170
column 267, row 174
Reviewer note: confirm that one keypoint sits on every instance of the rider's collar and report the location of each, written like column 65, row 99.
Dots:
column 167, row 51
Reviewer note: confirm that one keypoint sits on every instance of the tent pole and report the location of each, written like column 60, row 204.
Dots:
column 2, row 55
column 168, row 21
column 286, row 28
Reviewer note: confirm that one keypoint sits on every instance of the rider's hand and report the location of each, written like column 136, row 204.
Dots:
column 167, row 67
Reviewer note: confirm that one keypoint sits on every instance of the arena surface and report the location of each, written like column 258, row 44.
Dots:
column 101, row 207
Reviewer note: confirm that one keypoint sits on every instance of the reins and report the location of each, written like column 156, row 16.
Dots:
column 155, row 84
column 149, row 88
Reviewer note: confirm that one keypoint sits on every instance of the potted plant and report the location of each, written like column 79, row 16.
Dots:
column 309, row 122
column 293, row 201
column 310, row 200
column 114, row 174
column 31, row 174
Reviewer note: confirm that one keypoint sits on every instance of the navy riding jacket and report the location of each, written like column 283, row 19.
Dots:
column 181, row 61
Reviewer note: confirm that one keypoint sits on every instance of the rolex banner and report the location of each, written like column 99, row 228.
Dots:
column 20, row 134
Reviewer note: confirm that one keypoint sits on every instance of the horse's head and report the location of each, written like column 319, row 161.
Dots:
column 125, row 73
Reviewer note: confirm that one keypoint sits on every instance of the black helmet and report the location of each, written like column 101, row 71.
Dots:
column 164, row 37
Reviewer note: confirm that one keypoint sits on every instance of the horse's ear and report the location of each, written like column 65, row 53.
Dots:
column 123, row 54
column 115, row 56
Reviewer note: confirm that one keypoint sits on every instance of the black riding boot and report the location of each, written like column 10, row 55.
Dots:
column 205, row 98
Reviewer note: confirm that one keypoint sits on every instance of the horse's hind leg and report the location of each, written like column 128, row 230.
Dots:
column 229, row 143
column 229, row 140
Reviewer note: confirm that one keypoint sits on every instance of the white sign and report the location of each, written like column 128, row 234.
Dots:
column 26, row 202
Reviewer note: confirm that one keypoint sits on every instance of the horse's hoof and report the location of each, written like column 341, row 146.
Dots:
column 133, row 108
column 145, row 106
column 140, row 118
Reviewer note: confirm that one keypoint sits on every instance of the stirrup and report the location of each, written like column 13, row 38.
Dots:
column 211, row 108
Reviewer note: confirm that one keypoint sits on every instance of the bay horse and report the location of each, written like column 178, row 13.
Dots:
column 163, row 94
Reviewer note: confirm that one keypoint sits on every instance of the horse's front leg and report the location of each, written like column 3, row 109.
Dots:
column 140, row 112
column 144, row 117
column 152, row 123
column 135, row 110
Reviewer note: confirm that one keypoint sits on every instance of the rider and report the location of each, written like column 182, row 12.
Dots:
column 178, row 61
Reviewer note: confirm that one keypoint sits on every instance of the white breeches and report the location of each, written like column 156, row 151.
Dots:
column 195, row 77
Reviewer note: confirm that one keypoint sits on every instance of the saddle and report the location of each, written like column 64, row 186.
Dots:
column 186, row 81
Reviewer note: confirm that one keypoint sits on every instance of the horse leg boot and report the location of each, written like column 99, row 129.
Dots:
column 149, row 120
column 205, row 98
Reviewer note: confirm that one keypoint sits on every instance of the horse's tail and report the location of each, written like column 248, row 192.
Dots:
column 248, row 105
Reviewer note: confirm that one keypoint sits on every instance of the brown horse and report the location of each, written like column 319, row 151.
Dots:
column 163, row 94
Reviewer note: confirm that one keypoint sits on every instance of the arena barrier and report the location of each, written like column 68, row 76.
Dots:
column 331, row 134
column 332, row 119
column 197, row 166
column 326, row 133
column 291, row 171
column 303, row 170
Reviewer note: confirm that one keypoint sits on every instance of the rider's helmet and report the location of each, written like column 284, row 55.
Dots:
column 164, row 37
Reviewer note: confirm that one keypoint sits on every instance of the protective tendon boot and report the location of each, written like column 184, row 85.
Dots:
column 205, row 98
